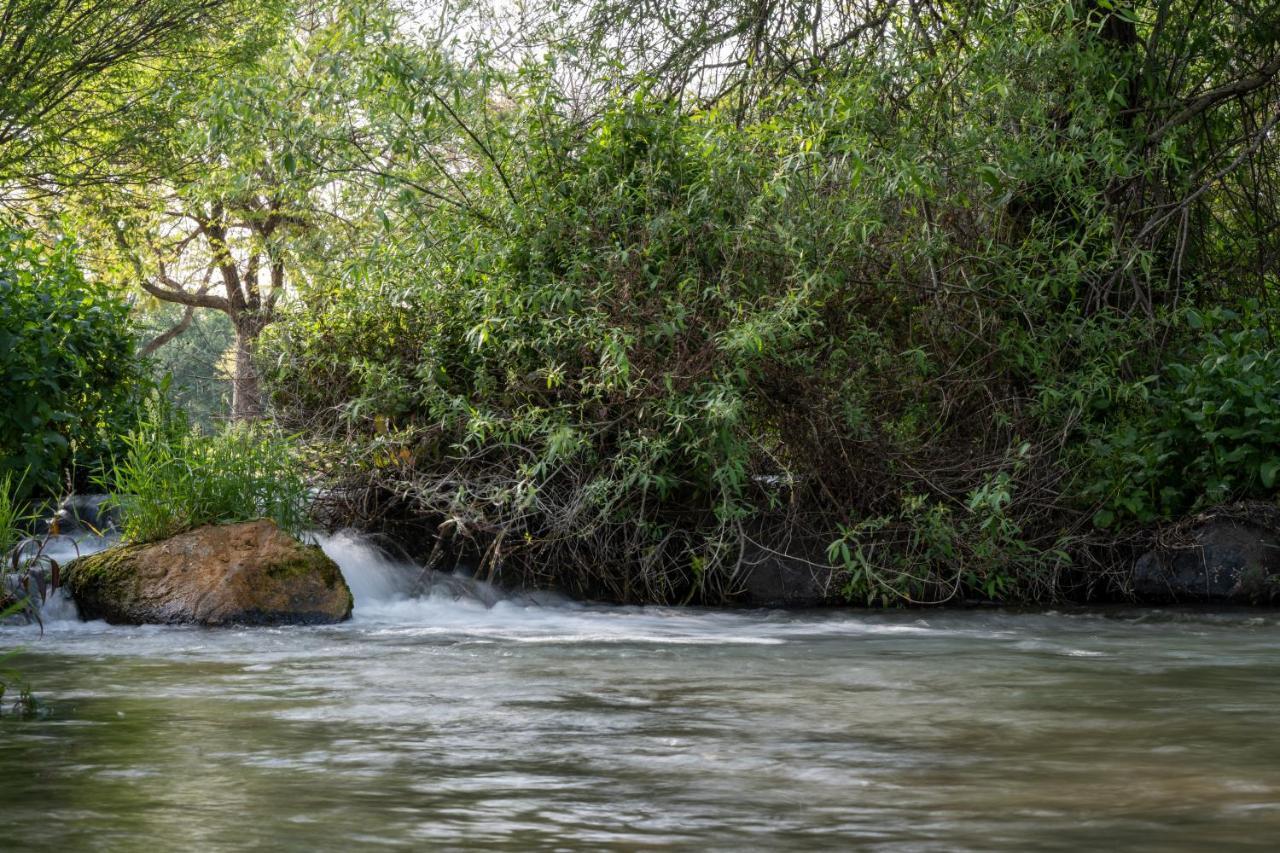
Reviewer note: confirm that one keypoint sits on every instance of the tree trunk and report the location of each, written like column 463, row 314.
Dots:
column 246, row 387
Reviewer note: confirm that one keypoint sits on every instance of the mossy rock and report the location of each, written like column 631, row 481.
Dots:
column 234, row 574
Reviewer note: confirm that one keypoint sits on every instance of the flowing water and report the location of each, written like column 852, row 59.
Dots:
column 454, row 721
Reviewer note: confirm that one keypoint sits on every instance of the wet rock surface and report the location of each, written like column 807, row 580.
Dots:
column 236, row 574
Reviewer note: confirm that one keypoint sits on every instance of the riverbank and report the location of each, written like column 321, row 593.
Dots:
column 1229, row 556
column 1224, row 555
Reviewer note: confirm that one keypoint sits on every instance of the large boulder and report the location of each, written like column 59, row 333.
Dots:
column 241, row 574
column 1227, row 554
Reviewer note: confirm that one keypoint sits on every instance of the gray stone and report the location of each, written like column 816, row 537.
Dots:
column 1227, row 554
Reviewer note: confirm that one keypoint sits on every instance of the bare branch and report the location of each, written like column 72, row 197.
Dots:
column 174, row 292
column 1211, row 98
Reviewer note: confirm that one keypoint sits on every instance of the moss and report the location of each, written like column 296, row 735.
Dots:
column 102, row 584
column 106, row 568
column 310, row 560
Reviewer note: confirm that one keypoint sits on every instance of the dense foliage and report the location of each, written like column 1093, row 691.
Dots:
column 1205, row 431
column 194, row 361
column 76, row 72
column 71, row 377
column 626, row 296
column 924, row 312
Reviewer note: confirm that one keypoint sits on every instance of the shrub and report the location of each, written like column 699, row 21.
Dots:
column 171, row 478
column 1207, row 430
column 69, row 376
column 691, row 333
column 891, row 306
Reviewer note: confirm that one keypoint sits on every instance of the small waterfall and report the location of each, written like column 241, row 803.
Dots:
column 57, row 605
column 380, row 583
column 386, row 589
column 372, row 574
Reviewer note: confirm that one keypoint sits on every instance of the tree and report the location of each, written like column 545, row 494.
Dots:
column 73, row 71
column 264, row 180
column 242, row 197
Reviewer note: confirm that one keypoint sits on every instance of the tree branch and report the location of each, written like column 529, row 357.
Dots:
column 173, row 292
column 179, row 327
column 1211, row 98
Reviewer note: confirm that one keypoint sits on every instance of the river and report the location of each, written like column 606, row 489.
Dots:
column 449, row 721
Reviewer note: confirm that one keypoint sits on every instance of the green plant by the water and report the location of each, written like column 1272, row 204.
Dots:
column 171, row 478
column 11, row 535
column 28, row 573
column 889, row 311
column 69, row 376
column 935, row 299
column 1206, row 429
column 15, row 588
column 11, row 515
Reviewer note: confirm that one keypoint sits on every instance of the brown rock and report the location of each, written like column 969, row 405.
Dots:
column 246, row 574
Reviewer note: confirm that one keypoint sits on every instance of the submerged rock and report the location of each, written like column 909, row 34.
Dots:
column 244, row 574
column 1227, row 554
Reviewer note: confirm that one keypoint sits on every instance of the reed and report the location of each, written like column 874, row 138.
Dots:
column 174, row 479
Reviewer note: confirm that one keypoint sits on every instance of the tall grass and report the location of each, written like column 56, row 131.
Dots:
column 172, row 478
column 16, row 559
column 10, row 535
column 10, row 514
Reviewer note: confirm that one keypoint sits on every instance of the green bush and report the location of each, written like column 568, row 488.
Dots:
column 171, row 478
column 691, row 329
column 897, row 306
column 69, row 376
column 1208, row 429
